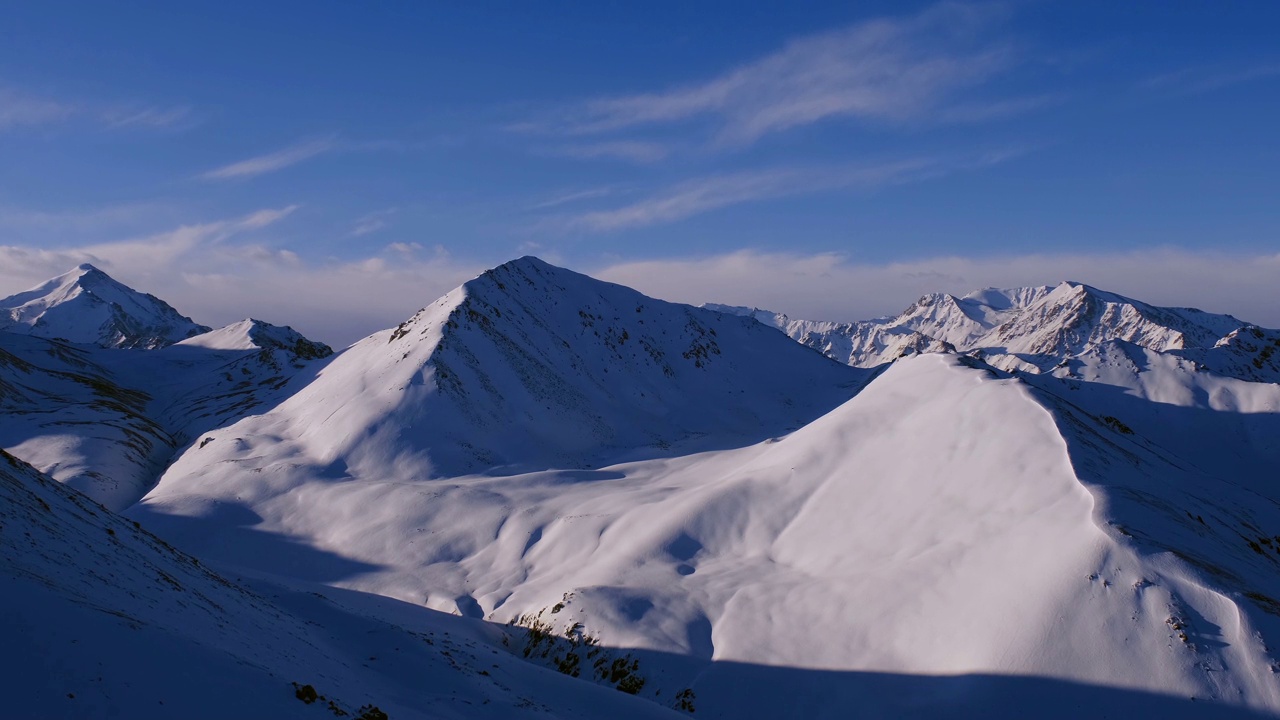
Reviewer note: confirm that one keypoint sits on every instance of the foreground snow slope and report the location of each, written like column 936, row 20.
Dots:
column 86, row 306
column 101, row 619
column 935, row 524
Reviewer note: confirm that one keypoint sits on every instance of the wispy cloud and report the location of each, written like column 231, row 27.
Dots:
column 20, row 109
column 572, row 197
column 272, row 162
column 889, row 70
column 145, row 255
column 371, row 223
column 975, row 112
column 701, row 195
column 636, row 151
column 150, row 117
column 1192, row 81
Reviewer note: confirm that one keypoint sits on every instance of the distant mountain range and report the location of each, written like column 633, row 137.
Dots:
column 1046, row 501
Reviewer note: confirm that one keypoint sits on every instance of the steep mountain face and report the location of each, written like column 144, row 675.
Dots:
column 1035, row 329
column 111, row 621
column 535, row 366
column 963, row 321
column 1073, row 318
column 861, row 344
column 87, row 306
column 107, row 421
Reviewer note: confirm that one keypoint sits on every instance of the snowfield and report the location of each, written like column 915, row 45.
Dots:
column 1050, row 502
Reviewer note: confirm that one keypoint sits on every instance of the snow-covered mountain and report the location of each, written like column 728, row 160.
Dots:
column 859, row 344
column 530, row 365
column 1034, row 329
column 107, row 421
column 87, row 306
column 1056, row 501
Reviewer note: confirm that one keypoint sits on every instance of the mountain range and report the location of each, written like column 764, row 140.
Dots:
column 543, row 488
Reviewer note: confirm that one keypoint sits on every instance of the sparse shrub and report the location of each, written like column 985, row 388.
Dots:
column 371, row 712
column 305, row 693
column 684, row 700
column 1115, row 424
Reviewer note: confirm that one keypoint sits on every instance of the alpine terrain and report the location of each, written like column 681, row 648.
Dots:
column 548, row 495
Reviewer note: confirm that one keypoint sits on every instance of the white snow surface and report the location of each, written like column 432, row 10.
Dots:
column 87, row 306
column 1083, row 524
column 102, row 619
column 107, row 421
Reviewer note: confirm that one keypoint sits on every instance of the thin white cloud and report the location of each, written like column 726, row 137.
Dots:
column 272, row 162
column 635, row 151
column 1192, row 81
column 19, row 109
column 701, row 195
column 404, row 248
column 372, row 222
column 975, row 112
column 149, row 117
column 887, row 70
column 572, row 197
column 147, row 256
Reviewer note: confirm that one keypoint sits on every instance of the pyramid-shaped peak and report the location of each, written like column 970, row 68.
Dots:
column 85, row 305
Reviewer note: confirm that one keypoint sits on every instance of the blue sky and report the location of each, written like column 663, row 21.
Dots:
column 336, row 165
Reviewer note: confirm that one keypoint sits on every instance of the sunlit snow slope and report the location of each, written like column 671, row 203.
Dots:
column 101, row 619
column 947, row 520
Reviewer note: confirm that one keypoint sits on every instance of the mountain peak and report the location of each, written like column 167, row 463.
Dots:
column 86, row 305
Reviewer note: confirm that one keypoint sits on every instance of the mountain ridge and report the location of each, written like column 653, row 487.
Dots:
column 87, row 306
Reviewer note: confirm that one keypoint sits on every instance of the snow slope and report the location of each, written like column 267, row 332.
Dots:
column 934, row 524
column 87, row 306
column 107, row 421
column 532, row 366
column 102, row 619
column 747, row 526
column 64, row 410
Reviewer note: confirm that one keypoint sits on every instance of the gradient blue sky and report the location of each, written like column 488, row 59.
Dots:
column 336, row 165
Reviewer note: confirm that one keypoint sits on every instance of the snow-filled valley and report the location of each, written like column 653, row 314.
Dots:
column 542, row 489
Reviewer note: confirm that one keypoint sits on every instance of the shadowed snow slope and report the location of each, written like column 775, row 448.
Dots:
column 102, row 619
column 107, row 421
column 936, row 523
column 87, row 306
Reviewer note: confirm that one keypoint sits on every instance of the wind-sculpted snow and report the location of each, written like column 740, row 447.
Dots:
column 686, row 505
column 102, row 619
column 87, row 306
column 933, row 524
